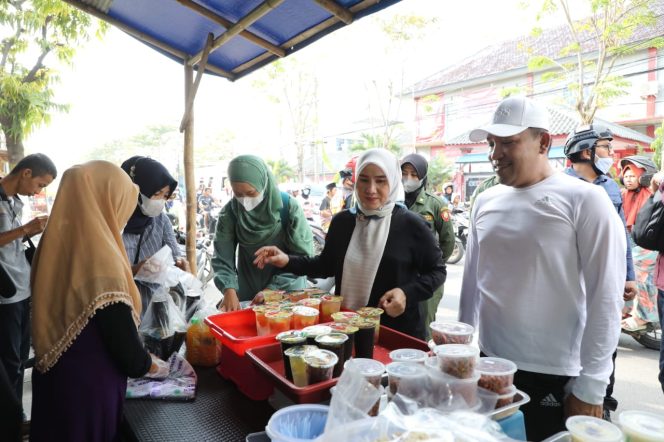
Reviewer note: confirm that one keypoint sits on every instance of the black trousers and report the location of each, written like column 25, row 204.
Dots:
column 611, row 403
column 10, row 410
column 15, row 342
column 544, row 414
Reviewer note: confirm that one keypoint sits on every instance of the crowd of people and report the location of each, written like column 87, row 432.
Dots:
column 550, row 278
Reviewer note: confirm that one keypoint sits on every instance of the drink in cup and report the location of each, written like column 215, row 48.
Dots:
column 314, row 331
column 297, row 296
column 261, row 322
column 334, row 342
column 364, row 338
column 310, row 302
column 372, row 313
column 278, row 321
column 272, row 295
column 320, row 365
column 348, row 330
column 304, row 317
column 289, row 339
column 328, row 306
column 343, row 317
column 298, row 366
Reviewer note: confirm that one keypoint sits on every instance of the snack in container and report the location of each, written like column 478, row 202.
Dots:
column 592, row 429
column 348, row 330
column 297, row 296
column 641, row 426
column 310, row 302
column 497, row 374
column 364, row 338
column 334, row 342
column 329, row 304
column 451, row 332
column 372, row 313
column 504, row 399
column 343, row 317
column 304, row 317
column 371, row 369
column 278, row 321
column 315, row 330
column 450, row 392
column 320, row 365
column 262, row 328
column 458, row 360
column 405, row 378
column 408, row 355
column 289, row 339
column 298, row 366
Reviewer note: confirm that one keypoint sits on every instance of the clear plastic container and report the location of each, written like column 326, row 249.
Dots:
column 297, row 296
column 328, row 306
column 304, row 317
column 297, row 423
column 314, row 331
column 320, row 365
column 592, row 429
column 458, row 360
column 371, row 369
column 343, row 317
column 298, row 366
column 497, row 374
column 373, row 412
column 451, row 332
column 272, row 295
column 310, row 302
column 262, row 328
column 278, row 321
column 642, row 426
column 408, row 355
column 374, row 314
column 449, row 389
column 506, row 398
column 334, row 342
column 408, row 373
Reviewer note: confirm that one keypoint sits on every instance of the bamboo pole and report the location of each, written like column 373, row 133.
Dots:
column 240, row 26
column 189, row 179
column 335, row 8
column 205, row 12
column 191, row 96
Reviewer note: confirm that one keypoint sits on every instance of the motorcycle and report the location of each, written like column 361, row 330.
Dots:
column 460, row 222
column 204, row 271
column 319, row 237
column 650, row 337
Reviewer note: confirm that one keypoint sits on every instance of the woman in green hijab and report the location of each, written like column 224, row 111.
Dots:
column 258, row 215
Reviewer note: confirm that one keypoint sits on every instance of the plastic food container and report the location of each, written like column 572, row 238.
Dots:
column 642, row 426
column 314, row 331
column 506, row 398
column 448, row 389
column 371, row 369
column 343, row 317
column 304, row 317
column 373, row 412
column 320, row 365
column 329, row 304
column 592, row 429
column 403, row 376
column 451, row 332
column 497, row 374
column 408, row 355
column 278, row 321
column 297, row 423
column 458, row 360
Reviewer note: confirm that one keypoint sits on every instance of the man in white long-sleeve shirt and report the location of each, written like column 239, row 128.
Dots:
column 544, row 272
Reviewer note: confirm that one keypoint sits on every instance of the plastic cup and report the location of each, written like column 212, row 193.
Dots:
column 343, row 317
column 405, row 377
column 408, row 355
column 371, row 369
column 451, row 332
column 364, row 338
column 262, row 328
column 315, row 330
column 497, row 374
column 642, row 426
column 304, row 317
column 310, row 302
column 348, row 330
column 592, row 429
column 458, row 360
column 373, row 412
column 505, row 399
column 329, row 305
column 313, row 292
column 272, row 295
column 278, row 321
column 334, row 342
column 373, row 313
column 289, row 339
column 297, row 296
column 320, row 365
column 298, row 366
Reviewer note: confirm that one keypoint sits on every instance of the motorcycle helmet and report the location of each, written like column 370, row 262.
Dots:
column 580, row 139
column 639, row 161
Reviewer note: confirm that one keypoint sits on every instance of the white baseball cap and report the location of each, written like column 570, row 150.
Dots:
column 513, row 116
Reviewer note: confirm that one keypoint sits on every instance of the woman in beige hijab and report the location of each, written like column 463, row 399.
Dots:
column 85, row 309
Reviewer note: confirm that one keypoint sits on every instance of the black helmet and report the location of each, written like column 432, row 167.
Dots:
column 603, row 132
column 582, row 138
column 639, row 161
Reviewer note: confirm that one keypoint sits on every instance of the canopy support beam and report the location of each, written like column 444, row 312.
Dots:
column 189, row 178
column 240, row 26
column 339, row 11
column 191, row 96
column 205, row 12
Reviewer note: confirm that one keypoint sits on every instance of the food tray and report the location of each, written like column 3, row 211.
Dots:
column 269, row 361
column 237, row 330
column 520, row 398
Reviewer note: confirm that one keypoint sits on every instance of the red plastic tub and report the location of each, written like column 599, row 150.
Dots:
column 237, row 330
column 268, row 360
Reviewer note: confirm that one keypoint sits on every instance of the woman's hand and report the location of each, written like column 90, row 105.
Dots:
column 158, row 369
column 656, row 181
column 393, row 302
column 136, row 267
column 182, row 264
column 270, row 255
column 230, row 303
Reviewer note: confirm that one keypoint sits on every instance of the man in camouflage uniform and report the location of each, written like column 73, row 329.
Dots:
column 434, row 210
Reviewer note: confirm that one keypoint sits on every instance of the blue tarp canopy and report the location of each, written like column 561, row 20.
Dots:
column 554, row 153
column 244, row 34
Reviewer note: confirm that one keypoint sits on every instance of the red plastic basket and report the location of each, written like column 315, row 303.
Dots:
column 237, row 330
column 269, row 361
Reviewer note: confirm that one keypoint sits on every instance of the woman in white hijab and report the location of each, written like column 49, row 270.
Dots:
column 380, row 253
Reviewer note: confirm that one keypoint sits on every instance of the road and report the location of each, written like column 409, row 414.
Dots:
column 636, row 367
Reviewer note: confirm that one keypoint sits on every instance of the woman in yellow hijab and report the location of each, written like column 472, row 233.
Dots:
column 85, row 309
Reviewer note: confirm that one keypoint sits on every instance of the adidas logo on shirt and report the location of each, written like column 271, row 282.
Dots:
column 550, row 401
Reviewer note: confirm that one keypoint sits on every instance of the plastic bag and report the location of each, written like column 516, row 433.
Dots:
column 202, row 347
column 156, row 268
column 163, row 327
column 180, row 384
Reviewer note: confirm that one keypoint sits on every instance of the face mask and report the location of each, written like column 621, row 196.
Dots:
column 603, row 164
column 151, row 207
column 250, row 202
column 411, row 185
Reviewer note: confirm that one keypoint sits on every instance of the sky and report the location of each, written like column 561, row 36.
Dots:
column 117, row 87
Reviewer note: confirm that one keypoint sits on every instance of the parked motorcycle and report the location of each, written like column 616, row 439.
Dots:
column 204, row 271
column 650, row 337
column 460, row 222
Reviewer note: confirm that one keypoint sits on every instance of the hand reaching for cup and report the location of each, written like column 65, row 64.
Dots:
column 270, row 255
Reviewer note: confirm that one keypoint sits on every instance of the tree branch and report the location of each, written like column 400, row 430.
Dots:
column 30, row 77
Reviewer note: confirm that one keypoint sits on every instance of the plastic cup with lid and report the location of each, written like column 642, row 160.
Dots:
column 458, row 360
column 336, row 343
column 592, row 429
column 407, row 378
column 315, row 330
column 642, row 426
column 320, row 365
column 304, row 317
column 408, row 355
column 298, row 366
column 451, row 332
column 371, row 369
column 497, row 374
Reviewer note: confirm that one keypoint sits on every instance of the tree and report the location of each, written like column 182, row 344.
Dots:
column 281, row 170
column 440, row 171
column 656, row 146
column 586, row 64
column 369, row 141
column 30, row 32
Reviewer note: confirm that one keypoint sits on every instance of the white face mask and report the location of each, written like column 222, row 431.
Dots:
column 151, row 207
column 411, row 185
column 603, row 164
column 250, row 202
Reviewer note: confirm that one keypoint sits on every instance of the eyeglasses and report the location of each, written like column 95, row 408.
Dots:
column 608, row 147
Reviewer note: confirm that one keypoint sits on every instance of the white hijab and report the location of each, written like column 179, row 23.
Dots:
column 372, row 228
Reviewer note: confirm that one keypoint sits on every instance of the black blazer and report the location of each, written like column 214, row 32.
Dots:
column 411, row 261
